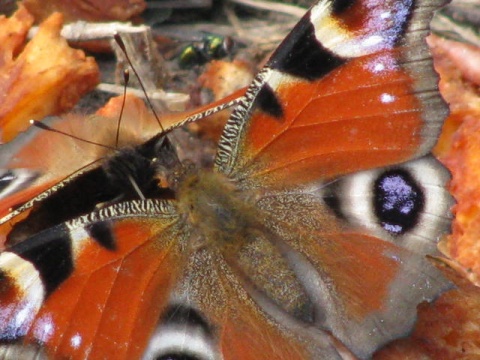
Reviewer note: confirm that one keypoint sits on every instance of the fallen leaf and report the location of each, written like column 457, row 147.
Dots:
column 47, row 77
column 73, row 10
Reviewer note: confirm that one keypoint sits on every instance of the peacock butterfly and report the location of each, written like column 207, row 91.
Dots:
column 306, row 239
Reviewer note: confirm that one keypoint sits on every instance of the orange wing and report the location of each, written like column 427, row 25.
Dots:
column 98, row 288
column 351, row 88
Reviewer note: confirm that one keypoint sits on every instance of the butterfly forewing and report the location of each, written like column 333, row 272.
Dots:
column 354, row 80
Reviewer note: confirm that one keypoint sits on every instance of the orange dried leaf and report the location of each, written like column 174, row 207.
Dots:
column 47, row 78
column 459, row 145
column 87, row 10
column 223, row 78
column 13, row 32
column 464, row 163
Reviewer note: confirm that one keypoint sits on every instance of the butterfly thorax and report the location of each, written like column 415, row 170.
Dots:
column 216, row 210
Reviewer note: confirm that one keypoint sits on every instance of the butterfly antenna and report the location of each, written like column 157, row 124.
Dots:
column 126, row 78
column 43, row 126
column 121, row 44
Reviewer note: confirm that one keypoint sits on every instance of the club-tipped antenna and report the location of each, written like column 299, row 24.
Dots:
column 46, row 127
column 121, row 44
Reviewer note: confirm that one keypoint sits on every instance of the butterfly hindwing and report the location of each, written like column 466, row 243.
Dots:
column 223, row 324
column 362, row 281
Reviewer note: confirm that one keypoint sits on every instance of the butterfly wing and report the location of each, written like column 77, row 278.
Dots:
column 367, row 271
column 354, row 80
column 324, row 144
column 94, row 286
column 208, row 318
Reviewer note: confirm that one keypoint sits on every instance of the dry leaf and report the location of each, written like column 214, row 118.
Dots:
column 47, row 77
column 13, row 32
column 459, row 145
column 73, row 10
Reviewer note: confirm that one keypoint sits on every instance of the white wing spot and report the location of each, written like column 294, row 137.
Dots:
column 387, row 98
column 386, row 15
column 76, row 341
column 79, row 237
column 372, row 41
column 378, row 67
column 27, row 280
column 44, row 328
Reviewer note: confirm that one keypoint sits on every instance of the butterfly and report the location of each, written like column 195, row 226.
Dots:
column 306, row 239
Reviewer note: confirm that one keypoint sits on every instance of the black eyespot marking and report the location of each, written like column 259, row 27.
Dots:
column 267, row 101
column 398, row 201
column 340, row 6
column 50, row 252
column 302, row 55
column 102, row 233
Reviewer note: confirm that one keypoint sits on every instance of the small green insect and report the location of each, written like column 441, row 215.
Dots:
column 211, row 47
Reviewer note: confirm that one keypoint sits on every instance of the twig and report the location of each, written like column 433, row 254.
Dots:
column 85, row 31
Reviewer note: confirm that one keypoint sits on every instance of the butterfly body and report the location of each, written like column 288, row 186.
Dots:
column 209, row 202
column 306, row 239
